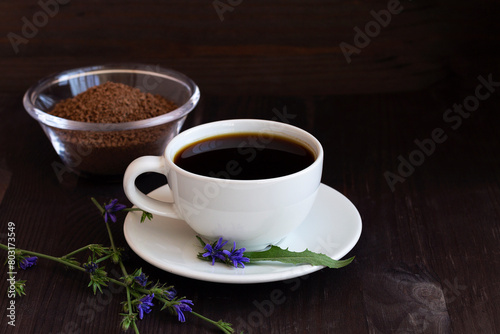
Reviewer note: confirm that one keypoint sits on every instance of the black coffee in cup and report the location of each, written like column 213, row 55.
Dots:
column 244, row 156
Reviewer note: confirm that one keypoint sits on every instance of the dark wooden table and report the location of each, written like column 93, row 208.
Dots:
column 409, row 128
column 427, row 260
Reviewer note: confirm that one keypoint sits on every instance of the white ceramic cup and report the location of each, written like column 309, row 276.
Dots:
column 253, row 213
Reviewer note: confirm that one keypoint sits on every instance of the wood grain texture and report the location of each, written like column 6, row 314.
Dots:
column 261, row 47
column 427, row 260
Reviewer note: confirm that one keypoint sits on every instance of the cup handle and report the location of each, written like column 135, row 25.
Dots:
column 137, row 167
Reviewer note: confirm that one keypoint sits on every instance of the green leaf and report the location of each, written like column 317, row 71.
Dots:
column 146, row 215
column 127, row 320
column 276, row 253
column 100, row 250
column 19, row 287
column 202, row 243
column 98, row 279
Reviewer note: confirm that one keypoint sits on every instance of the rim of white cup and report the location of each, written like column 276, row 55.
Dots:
column 317, row 148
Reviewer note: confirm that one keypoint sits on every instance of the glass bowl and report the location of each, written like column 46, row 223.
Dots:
column 104, row 150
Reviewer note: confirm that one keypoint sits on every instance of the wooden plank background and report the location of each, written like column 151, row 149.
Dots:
column 255, row 47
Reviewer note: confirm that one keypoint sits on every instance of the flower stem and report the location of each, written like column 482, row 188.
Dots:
column 136, row 330
column 99, row 206
column 130, row 312
column 125, row 274
column 111, row 237
column 59, row 260
column 77, row 251
column 226, row 329
column 48, row 257
column 132, row 209
column 103, row 258
column 122, row 267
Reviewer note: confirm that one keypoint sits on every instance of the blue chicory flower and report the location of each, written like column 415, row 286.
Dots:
column 183, row 307
column 111, row 208
column 28, row 262
column 215, row 252
column 141, row 279
column 236, row 256
column 145, row 305
column 170, row 295
column 90, row 267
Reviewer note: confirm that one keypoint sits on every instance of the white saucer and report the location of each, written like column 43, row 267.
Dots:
column 333, row 227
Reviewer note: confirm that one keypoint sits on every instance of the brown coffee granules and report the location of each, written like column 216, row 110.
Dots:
column 104, row 154
column 112, row 102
